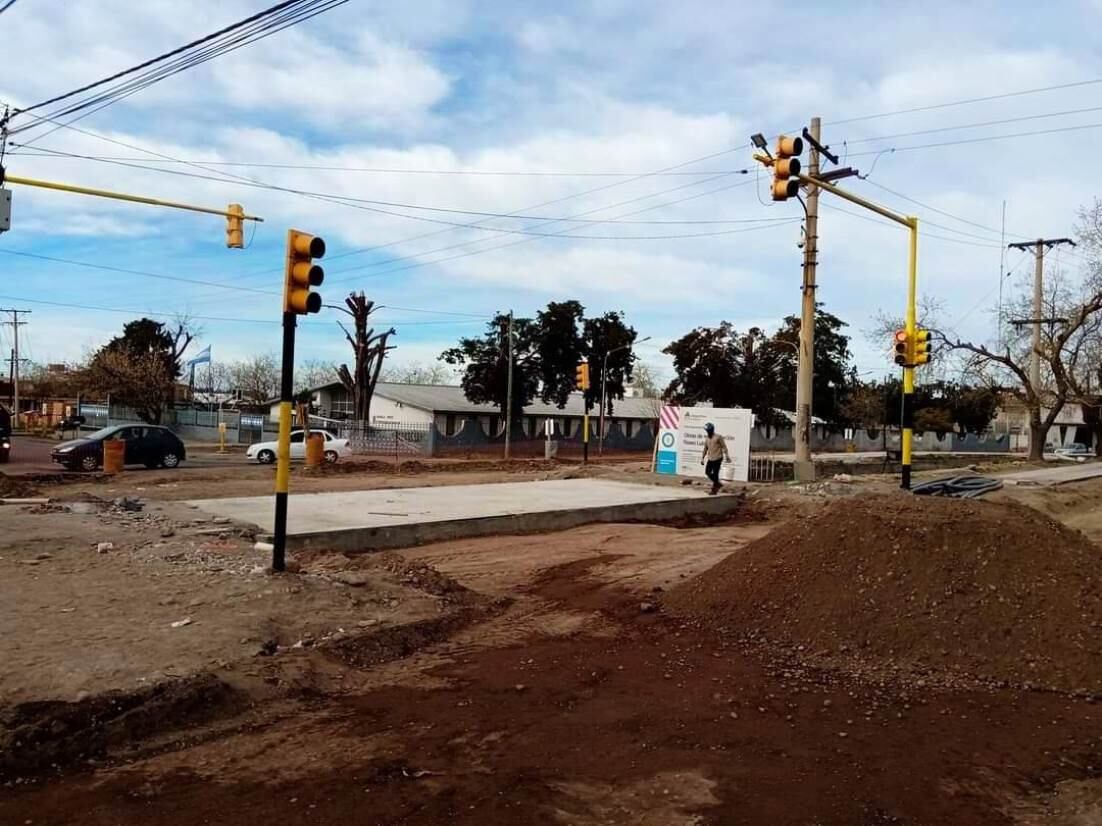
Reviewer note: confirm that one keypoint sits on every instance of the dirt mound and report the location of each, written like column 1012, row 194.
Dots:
column 14, row 489
column 916, row 585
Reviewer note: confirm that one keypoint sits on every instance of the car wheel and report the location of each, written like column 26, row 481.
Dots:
column 331, row 457
column 89, row 463
column 265, row 457
column 170, row 460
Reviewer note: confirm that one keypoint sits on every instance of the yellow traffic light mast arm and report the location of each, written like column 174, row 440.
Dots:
column 122, row 196
column 911, row 223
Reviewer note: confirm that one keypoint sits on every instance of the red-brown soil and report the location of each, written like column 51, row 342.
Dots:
column 932, row 587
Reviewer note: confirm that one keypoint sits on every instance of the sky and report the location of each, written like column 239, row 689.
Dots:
column 630, row 119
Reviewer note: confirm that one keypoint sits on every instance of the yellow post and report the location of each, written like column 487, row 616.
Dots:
column 909, row 369
column 283, row 449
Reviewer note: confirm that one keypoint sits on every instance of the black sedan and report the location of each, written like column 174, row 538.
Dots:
column 146, row 444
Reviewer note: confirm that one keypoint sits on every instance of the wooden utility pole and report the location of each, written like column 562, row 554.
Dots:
column 1039, row 246
column 509, row 390
column 15, row 325
column 804, row 467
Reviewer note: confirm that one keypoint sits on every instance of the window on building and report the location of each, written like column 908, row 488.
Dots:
column 449, row 425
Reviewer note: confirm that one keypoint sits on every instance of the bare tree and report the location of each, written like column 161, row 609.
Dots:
column 417, row 373
column 141, row 378
column 315, row 373
column 1067, row 345
column 369, row 349
column 256, row 379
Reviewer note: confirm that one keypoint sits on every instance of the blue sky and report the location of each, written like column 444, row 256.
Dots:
column 616, row 88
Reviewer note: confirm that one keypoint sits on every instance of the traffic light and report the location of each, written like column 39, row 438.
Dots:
column 902, row 348
column 235, row 234
column 786, row 168
column 581, row 376
column 302, row 273
column 922, row 348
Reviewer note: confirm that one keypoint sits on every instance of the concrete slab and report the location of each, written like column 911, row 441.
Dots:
column 1058, row 474
column 369, row 520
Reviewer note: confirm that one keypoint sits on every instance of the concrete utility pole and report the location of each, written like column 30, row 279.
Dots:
column 1039, row 246
column 15, row 325
column 805, row 468
column 509, row 392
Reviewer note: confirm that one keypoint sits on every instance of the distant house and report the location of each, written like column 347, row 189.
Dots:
column 449, row 409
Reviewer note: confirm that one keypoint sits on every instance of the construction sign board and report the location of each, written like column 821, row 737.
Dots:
column 681, row 440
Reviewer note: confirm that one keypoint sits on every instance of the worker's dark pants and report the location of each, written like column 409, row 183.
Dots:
column 711, row 470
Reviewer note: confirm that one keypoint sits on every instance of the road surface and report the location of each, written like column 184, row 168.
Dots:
column 30, row 455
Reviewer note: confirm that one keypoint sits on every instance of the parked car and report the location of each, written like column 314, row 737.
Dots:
column 1074, row 449
column 146, row 444
column 265, row 452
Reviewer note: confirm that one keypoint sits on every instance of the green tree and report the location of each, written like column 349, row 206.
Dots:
column 140, row 367
column 972, row 408
column 707, row 363
column 559, row 349
column 485, row 364
column 608, row 334
column 833, row 374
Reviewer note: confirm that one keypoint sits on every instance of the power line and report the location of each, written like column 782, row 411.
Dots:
column 226, row 319
column 7, row 6
column 967, row 101
column 974, row 125
column 142, row 273
column 419, row 264
column 413, row 171
column 367, row 205
column 262, row 23
column 983, row 139
column 886, row 223
column 121, row 270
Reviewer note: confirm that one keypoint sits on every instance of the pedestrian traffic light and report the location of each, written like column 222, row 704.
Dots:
column 922, row 348
column 235, row 234
column 581, row 376
column 302, row 273
column 902, row 348
column 786, row 168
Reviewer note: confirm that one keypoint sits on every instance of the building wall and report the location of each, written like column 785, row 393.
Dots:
column 390, row 411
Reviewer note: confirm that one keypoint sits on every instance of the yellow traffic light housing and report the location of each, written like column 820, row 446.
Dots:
column 786, row 168
column 922, row 347
column 902, row 348
column 581, row 376
column 235, row 233
column 302, row 273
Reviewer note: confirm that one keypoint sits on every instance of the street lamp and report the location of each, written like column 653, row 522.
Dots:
column 604, row 379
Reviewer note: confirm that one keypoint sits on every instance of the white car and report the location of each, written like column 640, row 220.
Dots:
column 265, row 452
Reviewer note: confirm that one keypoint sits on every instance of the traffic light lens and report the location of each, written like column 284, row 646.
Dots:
column 313, row 303
column 787, row 167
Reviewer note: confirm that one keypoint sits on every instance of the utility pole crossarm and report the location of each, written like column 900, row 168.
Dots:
column 122, row 196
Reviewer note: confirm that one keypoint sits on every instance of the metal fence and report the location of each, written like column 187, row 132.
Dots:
column 391, row 439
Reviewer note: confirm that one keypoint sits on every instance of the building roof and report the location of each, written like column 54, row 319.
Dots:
column 443, row 398
column 447, row 398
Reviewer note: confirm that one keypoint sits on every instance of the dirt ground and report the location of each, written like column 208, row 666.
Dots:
column 512, row 680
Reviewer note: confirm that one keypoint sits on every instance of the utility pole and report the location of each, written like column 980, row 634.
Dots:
column 15, row 325
column 805, row 468
column 509, row 391
column 1039, row 246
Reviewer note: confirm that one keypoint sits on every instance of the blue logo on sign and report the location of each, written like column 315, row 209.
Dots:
column 668, row 439
column 667, row 461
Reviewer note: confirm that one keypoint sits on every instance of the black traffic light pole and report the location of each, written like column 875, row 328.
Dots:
column 283, row 470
